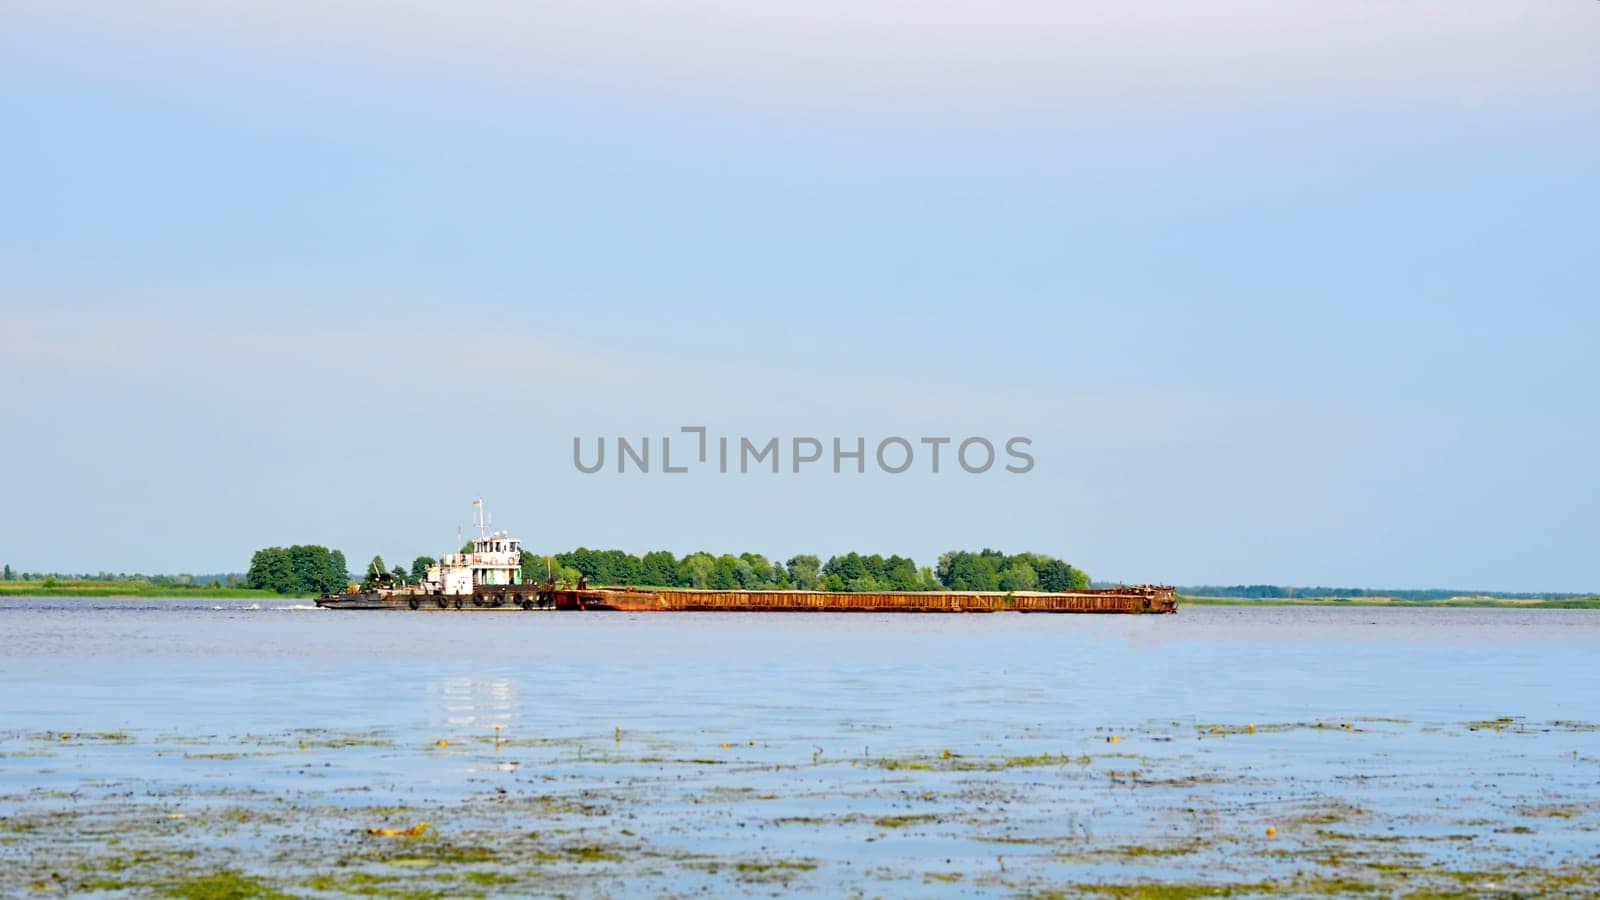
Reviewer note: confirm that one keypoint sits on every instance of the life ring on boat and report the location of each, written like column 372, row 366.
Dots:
column 412, row 601
column 441, row 600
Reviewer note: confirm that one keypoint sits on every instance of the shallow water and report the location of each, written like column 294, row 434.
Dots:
column 653, row 753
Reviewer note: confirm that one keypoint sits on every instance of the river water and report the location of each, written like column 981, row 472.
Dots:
column 159, row 746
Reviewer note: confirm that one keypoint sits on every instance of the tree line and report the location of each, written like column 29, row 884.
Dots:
column 312, row 569
column 957, row 570
column 179, row 580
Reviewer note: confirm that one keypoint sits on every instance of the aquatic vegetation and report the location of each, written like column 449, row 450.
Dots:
column 414, row 831
column 1046, row 759
column 957, row 763
column 781, row 871
column 1550, row 811
column 903, row 821
column 1504, row 723
column 894, row 764
column 223, row 885
column 1223, row 729
column 438, row 854
column 1327, row 814
column 1152, row 891
column 589, row 854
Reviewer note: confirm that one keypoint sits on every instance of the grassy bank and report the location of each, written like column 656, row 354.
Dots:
column 129, row 589
column 1458, row 602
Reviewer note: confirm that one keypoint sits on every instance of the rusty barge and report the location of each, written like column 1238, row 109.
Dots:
column 552, row 597
column 488, row 576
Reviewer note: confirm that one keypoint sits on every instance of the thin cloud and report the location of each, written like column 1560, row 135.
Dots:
column 916, row 54
column 111, row 343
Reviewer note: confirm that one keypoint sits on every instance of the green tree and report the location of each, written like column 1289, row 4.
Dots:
column 964, row 571
column 311, row 568
column 419, row 567
column 8, row 572
column 900, row 574
column 725, row 572
column 375, row 572
column 877, row 568
column 620, row 567
column 272, row 569
column 536, row 568
column 745, row 575
column 694, row 570
column 1055, row 575
column 849, row 567
column 337, row 577
column 805, row 572
column 659, row 568
column 1019, row 576
column 762, row 570
column 584, row 560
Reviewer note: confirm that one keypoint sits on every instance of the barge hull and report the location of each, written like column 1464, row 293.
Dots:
column 1117, row 600
column 529, row 597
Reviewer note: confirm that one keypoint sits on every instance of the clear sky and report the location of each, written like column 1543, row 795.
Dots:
column 1302, row 293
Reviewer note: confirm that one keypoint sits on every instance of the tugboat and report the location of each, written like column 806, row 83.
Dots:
column 464, row 580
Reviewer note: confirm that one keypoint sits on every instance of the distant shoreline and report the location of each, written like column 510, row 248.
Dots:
column 1454, row 602
column 140, row 589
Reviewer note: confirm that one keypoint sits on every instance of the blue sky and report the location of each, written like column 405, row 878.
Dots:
column 1293, row 293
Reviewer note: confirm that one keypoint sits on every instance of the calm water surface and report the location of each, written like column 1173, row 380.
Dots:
column 834, row 777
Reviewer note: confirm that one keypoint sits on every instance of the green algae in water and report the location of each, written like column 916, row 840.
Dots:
column 776, row 865
column 1045, row 759
column 444, row 854
column 223, row 885
column 1550, row 811
column 904, row 821
column 590, row 854
column 956, row 763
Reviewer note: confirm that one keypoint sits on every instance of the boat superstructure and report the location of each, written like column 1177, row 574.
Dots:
column 494, row 560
